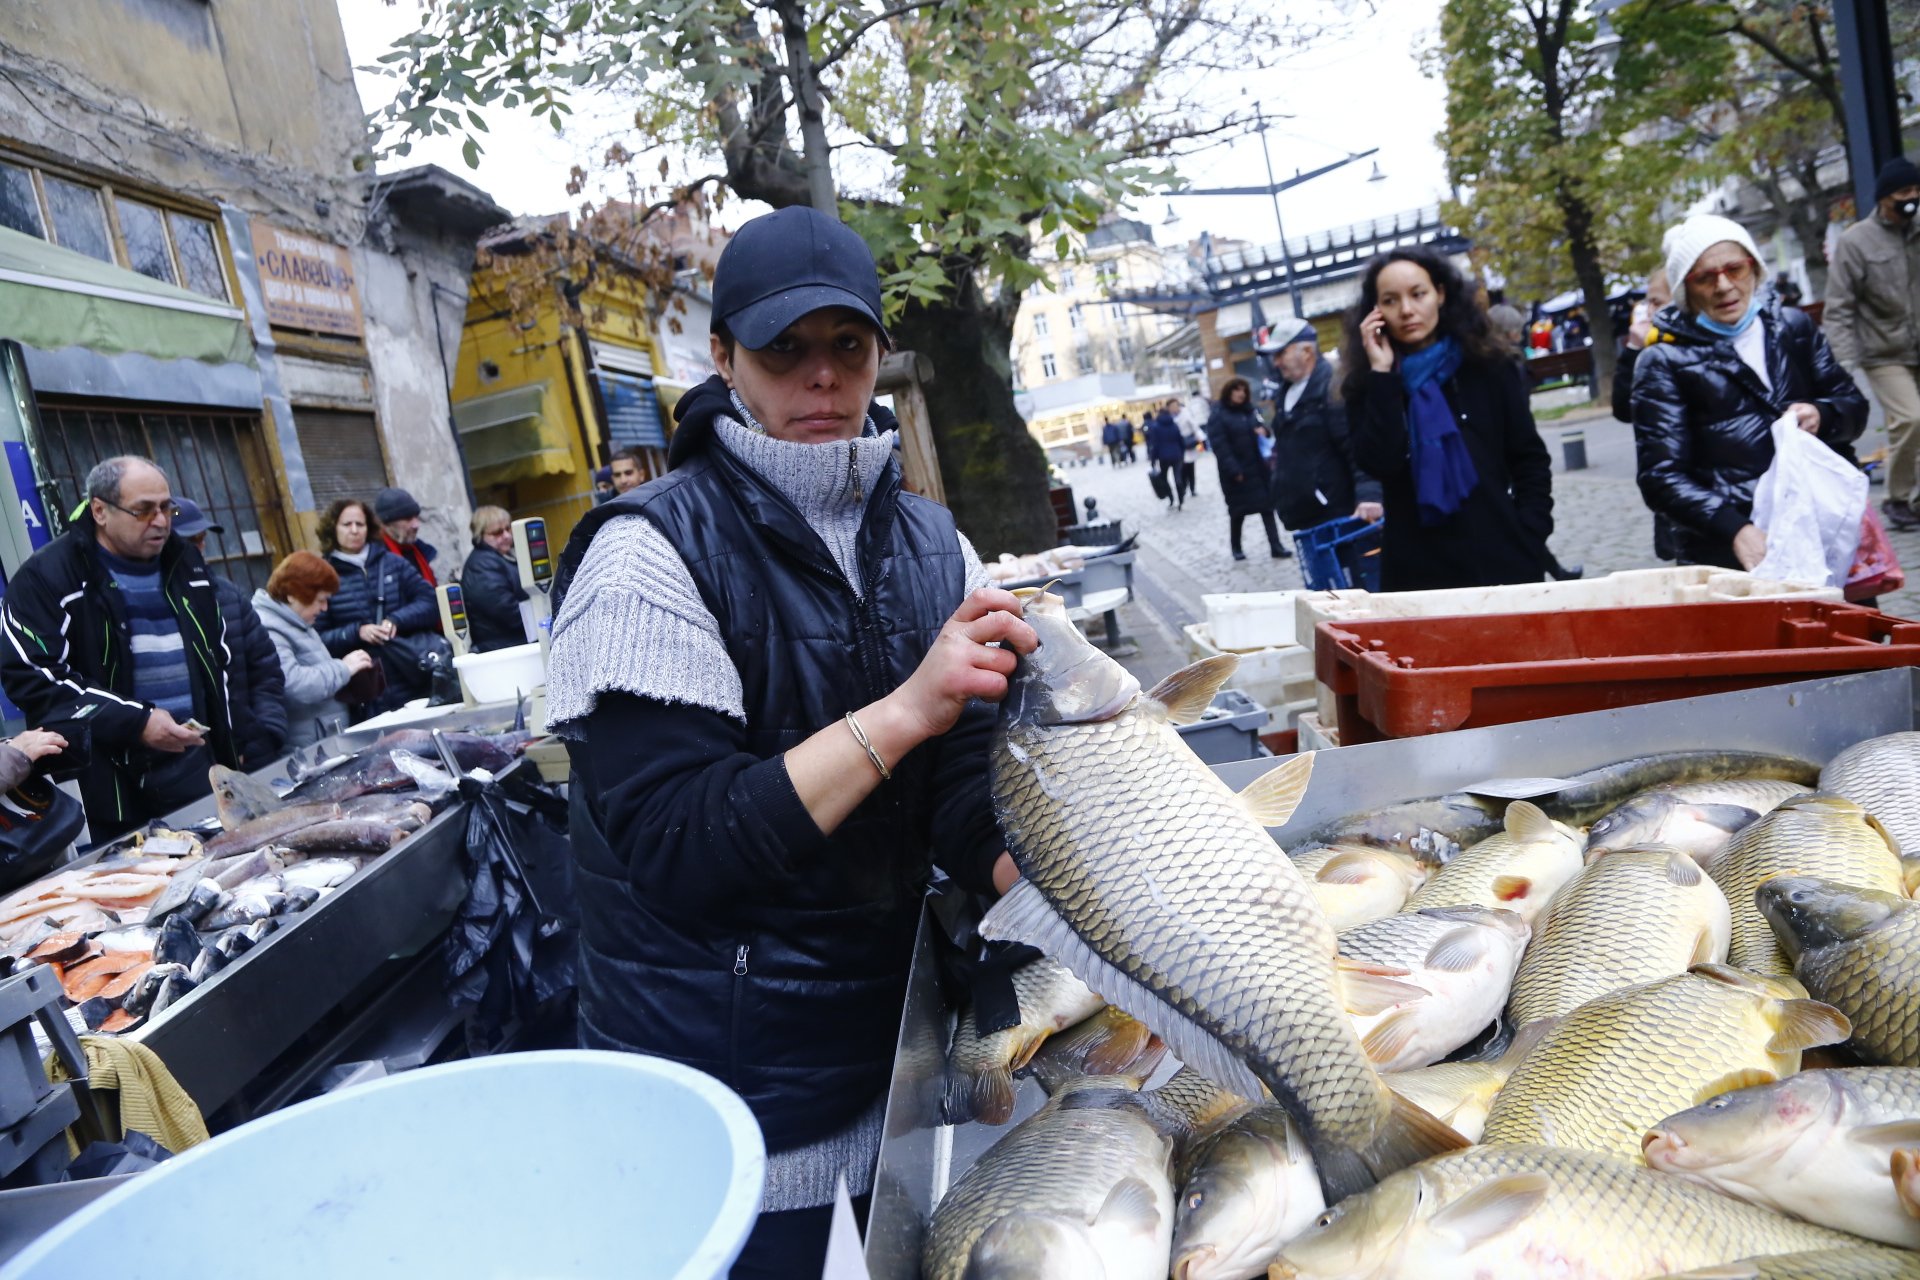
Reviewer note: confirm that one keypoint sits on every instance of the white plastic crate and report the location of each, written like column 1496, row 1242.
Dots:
column 1314, row 736
column 1251, row 619
column 1278, row 678
column 1628, row 589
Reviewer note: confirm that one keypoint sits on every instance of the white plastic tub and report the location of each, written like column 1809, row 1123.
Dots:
column 561, row 1164
column 503, row 674
column 1628, row 589
column 1278, row 678
column 1251, row 619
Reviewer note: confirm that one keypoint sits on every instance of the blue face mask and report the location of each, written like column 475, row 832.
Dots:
column 1734, row 330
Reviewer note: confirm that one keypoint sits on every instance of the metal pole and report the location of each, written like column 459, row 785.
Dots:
column 1867, row 93
column 1286, row 258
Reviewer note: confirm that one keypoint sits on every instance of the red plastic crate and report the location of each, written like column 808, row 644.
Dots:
column 1403, row 677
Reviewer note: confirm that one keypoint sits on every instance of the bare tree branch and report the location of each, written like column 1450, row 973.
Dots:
column 846, row 46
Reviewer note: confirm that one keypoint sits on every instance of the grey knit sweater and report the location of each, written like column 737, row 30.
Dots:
column 633, row 621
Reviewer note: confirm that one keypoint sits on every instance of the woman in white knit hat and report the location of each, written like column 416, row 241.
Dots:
column 1723, row 361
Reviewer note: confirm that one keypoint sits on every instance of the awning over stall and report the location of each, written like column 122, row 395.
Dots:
column 53, row 298
column 509, row 435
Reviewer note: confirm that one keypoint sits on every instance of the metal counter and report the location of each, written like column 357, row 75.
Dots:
column 225, row 1032
column 1814, row 720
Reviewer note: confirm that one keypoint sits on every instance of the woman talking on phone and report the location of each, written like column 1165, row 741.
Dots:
column 1438, row 413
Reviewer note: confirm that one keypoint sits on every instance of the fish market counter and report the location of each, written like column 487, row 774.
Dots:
column 1813, row 720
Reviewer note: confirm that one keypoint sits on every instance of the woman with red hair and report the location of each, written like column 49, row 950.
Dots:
column 294, row 596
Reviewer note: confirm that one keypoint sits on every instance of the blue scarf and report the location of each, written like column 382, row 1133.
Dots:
column 1443, row 473
column 1711, row 325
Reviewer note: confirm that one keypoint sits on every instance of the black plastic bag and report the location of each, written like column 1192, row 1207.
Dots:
column 514, row 945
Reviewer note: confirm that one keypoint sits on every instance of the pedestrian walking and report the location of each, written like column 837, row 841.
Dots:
column 1231, row 435
column 114, row 628
column 1314, row 479
column 381, row 602
column 1110, row 440
column 777, row 668
column 1872, row 319
column 490, row 584
column 256, row 688
column 1126, row 440
column 1723, row 361
column 1438, row 412
column 297, row 592
column 1165, row 450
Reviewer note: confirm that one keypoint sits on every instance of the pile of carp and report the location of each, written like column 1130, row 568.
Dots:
column 131, row 933
column 1663, row 1021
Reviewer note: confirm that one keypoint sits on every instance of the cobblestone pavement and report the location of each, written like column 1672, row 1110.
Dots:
column 1600, row 522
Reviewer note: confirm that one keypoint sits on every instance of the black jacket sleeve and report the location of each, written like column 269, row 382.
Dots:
column 410, row 601
column 1334, row 422
column 698, row 820
column 1377, row 425
column 266, row 692
column 1623, row 383
column 34, row 660
column 1529, row 465
column 964, row 835
column 1663, row 443
column 1843, row 410
column 493, row 594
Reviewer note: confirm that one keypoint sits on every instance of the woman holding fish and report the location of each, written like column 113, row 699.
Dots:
column 771, row 661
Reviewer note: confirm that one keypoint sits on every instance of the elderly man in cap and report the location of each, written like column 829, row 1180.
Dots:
column 1872, row 321
column 1314, row 479
column 400, row 531
column 256, row 685
column 114, row 639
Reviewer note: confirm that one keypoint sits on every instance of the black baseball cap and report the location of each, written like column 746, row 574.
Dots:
column 192, row 521
column 786, row 264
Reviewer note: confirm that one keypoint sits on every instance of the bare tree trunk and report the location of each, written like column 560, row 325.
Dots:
column 994, row 471
column 814, row 148
column 1592, row 275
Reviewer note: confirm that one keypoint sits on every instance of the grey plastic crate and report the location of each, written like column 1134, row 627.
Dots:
column 1231, row 733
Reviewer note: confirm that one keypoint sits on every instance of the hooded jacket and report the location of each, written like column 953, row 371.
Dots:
column 1703, row 420
column 68, row 656
column 1873, row 294
column 1314, row 479
column 719, row 927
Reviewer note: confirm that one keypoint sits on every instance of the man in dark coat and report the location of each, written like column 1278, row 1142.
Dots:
column 157, row 715
column 1314, row 479
column 400, row 532
column 256, row 684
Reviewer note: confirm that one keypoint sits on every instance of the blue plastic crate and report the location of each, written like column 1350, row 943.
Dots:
column 1340, row 554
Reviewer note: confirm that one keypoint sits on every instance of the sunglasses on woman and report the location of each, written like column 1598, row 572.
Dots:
column 1735, row 272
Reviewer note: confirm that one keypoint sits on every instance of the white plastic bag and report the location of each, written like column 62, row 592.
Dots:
column 1809, row 504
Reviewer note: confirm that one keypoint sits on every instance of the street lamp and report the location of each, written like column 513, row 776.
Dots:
column 1273, row 189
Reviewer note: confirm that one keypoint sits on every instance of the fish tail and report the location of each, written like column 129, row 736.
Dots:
column 986, row 1096
column 1405, row 1136
column 1111, row 1046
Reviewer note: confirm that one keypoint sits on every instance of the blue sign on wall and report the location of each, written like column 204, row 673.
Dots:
column 633, row 411
column 33, row 512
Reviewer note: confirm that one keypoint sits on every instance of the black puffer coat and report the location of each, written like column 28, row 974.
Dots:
column 718, row 926
column 490, row 584
column 388, row 587
column 1499, row 534
column 256, row 685
column 1703, row 421
column 1314, row 479
column 1232, row 435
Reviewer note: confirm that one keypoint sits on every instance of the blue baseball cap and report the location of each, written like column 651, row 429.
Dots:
column 192, row 521
column 787, row 264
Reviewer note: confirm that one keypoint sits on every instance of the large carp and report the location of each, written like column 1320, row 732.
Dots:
column 1161, row 889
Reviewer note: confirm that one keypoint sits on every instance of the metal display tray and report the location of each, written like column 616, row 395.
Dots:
column 1812, row 719
column 225, row 1032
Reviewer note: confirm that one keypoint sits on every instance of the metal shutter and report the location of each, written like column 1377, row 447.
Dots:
column 342, row 452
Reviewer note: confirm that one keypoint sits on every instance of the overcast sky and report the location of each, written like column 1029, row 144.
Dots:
column 1363, row 91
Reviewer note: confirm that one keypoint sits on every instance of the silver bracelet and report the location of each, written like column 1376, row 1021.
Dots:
column 860, row 736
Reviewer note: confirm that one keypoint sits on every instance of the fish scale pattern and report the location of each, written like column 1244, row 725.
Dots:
column 1824, row 836
column 1164, row 874
column 1874, row 979
column 1628, row 918
column 1617, row 1066
column 1468, row 880
column 1602, row 1218
column 1878, row 776
column 1850, row 1262
column 1064, row 1159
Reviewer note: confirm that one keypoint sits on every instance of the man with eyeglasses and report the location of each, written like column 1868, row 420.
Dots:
column 112, row 635
column 1873, row 321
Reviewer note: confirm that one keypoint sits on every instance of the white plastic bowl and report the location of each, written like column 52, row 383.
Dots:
column 570, row 1163
column 502, row 674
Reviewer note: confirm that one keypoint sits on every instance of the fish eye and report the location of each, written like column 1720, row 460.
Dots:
column 1325, row 1219
column 1718, row 1104
column 1197, row 1199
